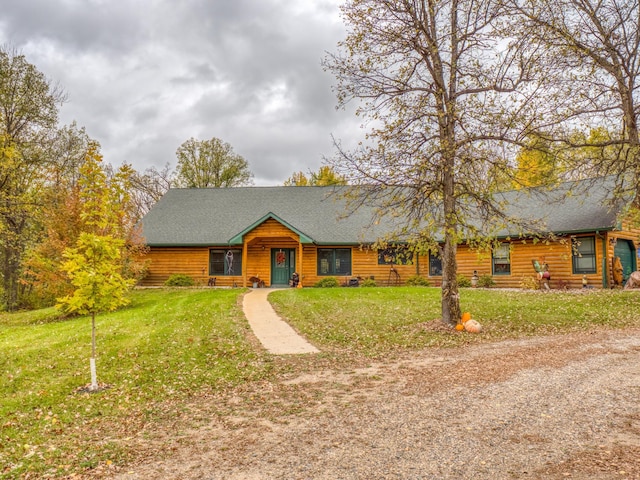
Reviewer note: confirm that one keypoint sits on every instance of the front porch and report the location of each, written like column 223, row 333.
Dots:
column 272, row 252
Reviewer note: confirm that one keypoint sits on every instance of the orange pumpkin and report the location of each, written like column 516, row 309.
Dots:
column 459, row 327
column 466, row 316
column 472, row 326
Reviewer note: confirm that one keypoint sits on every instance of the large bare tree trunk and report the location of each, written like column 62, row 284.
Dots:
column 450, row 297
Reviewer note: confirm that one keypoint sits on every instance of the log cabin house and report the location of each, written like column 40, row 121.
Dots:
column 261, row 236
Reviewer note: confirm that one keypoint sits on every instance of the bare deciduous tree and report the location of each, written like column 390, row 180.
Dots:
column 593, row 46
column 148, row 186
column 443, row 94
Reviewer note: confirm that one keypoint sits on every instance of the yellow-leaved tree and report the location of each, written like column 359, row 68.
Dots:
column 536, row 165
column 325, row 176
column 94, row 264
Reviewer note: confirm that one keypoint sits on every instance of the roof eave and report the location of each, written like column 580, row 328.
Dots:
column 590, row 230
column 180, row 245
column 558, row 232
column 238, row 238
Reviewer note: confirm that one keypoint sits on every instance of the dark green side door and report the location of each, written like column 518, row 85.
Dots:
column 283, row 264
column 627, row 253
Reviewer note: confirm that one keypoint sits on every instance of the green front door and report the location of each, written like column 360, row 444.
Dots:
column 627, row 253
column 283, row 264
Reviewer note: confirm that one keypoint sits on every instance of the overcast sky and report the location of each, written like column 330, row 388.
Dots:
column 143, row 76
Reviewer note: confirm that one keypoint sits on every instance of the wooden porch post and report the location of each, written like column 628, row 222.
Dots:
column 245, row 255
column 300, row 264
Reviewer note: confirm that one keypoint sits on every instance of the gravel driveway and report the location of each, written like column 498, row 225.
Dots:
column 564, row 406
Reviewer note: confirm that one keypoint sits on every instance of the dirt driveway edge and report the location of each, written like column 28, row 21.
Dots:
column 562, row 406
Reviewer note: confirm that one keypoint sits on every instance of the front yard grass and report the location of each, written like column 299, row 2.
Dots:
column 153, row 355
column 377, row 321
column 173, row 348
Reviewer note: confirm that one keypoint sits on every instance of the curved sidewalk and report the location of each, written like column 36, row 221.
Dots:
column 275, row 335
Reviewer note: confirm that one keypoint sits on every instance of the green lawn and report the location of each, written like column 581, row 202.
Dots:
column 164, row 347
column 171, row 346
column 376, row 321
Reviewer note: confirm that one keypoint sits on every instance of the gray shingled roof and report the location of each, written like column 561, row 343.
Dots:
column 216, row 216
column 573, row 207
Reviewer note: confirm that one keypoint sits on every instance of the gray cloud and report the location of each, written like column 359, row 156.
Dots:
column 144, row 76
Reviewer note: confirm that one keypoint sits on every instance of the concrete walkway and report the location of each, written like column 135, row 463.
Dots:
column 275, row 335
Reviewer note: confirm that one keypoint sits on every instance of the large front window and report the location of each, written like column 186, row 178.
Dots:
column 584, row 255
column 334, row 261
column 225, row 262
column 502, row 260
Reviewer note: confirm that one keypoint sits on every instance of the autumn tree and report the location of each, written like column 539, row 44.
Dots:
column 584, row 155
column 297, row 179
column 576, row 155
column 536, row 164
column 592, row 57
column 28, row 117
column 126, row 216
column 443, row 94
column 325, row 176
column 94, row 264
column 59, row 219
column 210, row 164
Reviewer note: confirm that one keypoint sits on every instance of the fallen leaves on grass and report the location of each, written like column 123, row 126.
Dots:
column 437, row 325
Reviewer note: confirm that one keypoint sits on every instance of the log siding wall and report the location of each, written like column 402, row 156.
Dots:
column 163, row 262
column 194, row 261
